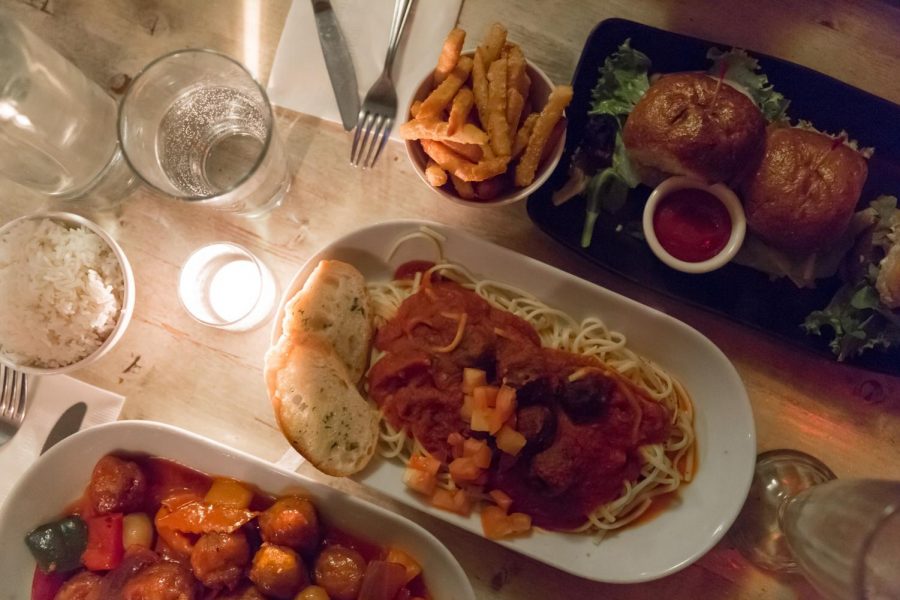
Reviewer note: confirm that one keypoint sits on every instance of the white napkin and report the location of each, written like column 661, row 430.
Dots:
column 48, row 398
column 299, row 79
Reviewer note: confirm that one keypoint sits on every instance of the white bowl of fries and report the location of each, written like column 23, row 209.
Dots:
column 486, row 127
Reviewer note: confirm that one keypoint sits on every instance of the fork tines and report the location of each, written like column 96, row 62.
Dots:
column 372, row 133
column 13, row 392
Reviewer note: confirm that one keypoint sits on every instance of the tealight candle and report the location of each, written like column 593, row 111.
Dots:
column 223, row 285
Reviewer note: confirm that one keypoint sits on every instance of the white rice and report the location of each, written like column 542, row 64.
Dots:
column 60, row 293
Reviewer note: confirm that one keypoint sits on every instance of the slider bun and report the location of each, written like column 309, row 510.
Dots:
column 804, row 191
column 690, row 124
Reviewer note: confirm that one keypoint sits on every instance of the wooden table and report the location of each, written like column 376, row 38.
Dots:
column 174, row 370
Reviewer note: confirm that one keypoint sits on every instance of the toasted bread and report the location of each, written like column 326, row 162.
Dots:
column 333, row 307
column 318, row 407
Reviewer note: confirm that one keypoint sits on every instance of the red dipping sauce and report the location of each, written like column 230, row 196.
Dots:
column 692, row 225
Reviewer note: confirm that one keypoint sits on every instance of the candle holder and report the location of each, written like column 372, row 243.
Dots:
column 224, row 285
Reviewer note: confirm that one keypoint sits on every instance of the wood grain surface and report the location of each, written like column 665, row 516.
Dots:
column 175, row 370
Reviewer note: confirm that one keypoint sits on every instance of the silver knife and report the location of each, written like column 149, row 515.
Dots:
column 338, row 62
column 68, row 423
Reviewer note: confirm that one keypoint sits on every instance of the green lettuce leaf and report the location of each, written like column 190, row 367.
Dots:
column 623, row 80
column 857, row 318
column 742, row 69
column 608, row 189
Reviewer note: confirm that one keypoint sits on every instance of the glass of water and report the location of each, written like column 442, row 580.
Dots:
column 196, row 125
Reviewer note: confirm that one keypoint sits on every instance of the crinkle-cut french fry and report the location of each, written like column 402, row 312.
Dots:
column 470, row 152
column 524, row 85
column 485, row 169
column 463, row 188
column 493, row 43
column 514, row 105
column 516, row 67
column 432, row 129
column 480, row 86
column 523, row 134
column 435, row 175
column 443, row 94
column 414, row 108
column 449, row 54
column 466, row 170
column 559, row 99
column 460, row 109
column 497, row 125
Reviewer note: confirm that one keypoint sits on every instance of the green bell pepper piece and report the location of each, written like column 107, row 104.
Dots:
column 58, row 546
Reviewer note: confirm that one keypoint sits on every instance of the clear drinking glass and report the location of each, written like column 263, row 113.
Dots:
column 224, row 285
column 843, row 535
column 57, row 127
column 196, row 125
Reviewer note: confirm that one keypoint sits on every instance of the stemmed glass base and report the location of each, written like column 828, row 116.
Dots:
column 779, row 475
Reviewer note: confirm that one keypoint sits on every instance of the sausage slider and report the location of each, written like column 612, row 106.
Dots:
column 692, row 124
column 804, row 190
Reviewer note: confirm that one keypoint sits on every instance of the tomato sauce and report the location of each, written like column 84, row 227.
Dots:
column 558, row 480
column 692, row 225
column 409, row 269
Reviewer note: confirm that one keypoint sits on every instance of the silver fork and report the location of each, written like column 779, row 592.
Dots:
column 379, row 109
column 13, row 392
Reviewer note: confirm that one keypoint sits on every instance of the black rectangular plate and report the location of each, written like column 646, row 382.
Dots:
column 740, row 293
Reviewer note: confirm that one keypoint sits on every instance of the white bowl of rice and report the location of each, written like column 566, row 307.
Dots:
column 66, row 293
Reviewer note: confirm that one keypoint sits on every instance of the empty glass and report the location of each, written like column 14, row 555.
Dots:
column 57, row 127
column 196, row 125
column 224, row 285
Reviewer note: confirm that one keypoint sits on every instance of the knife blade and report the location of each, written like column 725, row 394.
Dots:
column 68, row 423
column 338, row 62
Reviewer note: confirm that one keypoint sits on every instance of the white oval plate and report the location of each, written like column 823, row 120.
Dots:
column 726, row 438
column 59, row 477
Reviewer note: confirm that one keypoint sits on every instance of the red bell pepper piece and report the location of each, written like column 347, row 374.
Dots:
column 104, row 546
column 44, row 586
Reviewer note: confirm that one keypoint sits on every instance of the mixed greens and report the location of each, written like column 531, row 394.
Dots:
column 857, row 314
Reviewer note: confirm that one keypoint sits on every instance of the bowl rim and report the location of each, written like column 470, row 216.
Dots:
column 545, row 170
column 128, row 293
column 729, row 200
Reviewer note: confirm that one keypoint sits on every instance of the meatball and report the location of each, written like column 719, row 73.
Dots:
column 116, row 486
column 84, row 586
column 313, row 592
column 278, row 571
column 219, row 559
column 340, row 571
column 160, row 581
column 292, row 521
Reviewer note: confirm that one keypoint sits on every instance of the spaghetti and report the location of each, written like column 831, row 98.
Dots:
column 664, row 466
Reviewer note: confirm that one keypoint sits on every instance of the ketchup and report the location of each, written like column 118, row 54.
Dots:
column 692, row 225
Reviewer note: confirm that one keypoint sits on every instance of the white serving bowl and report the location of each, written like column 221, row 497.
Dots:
column 125, row 311
column 60, row 476
column 541, row 85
